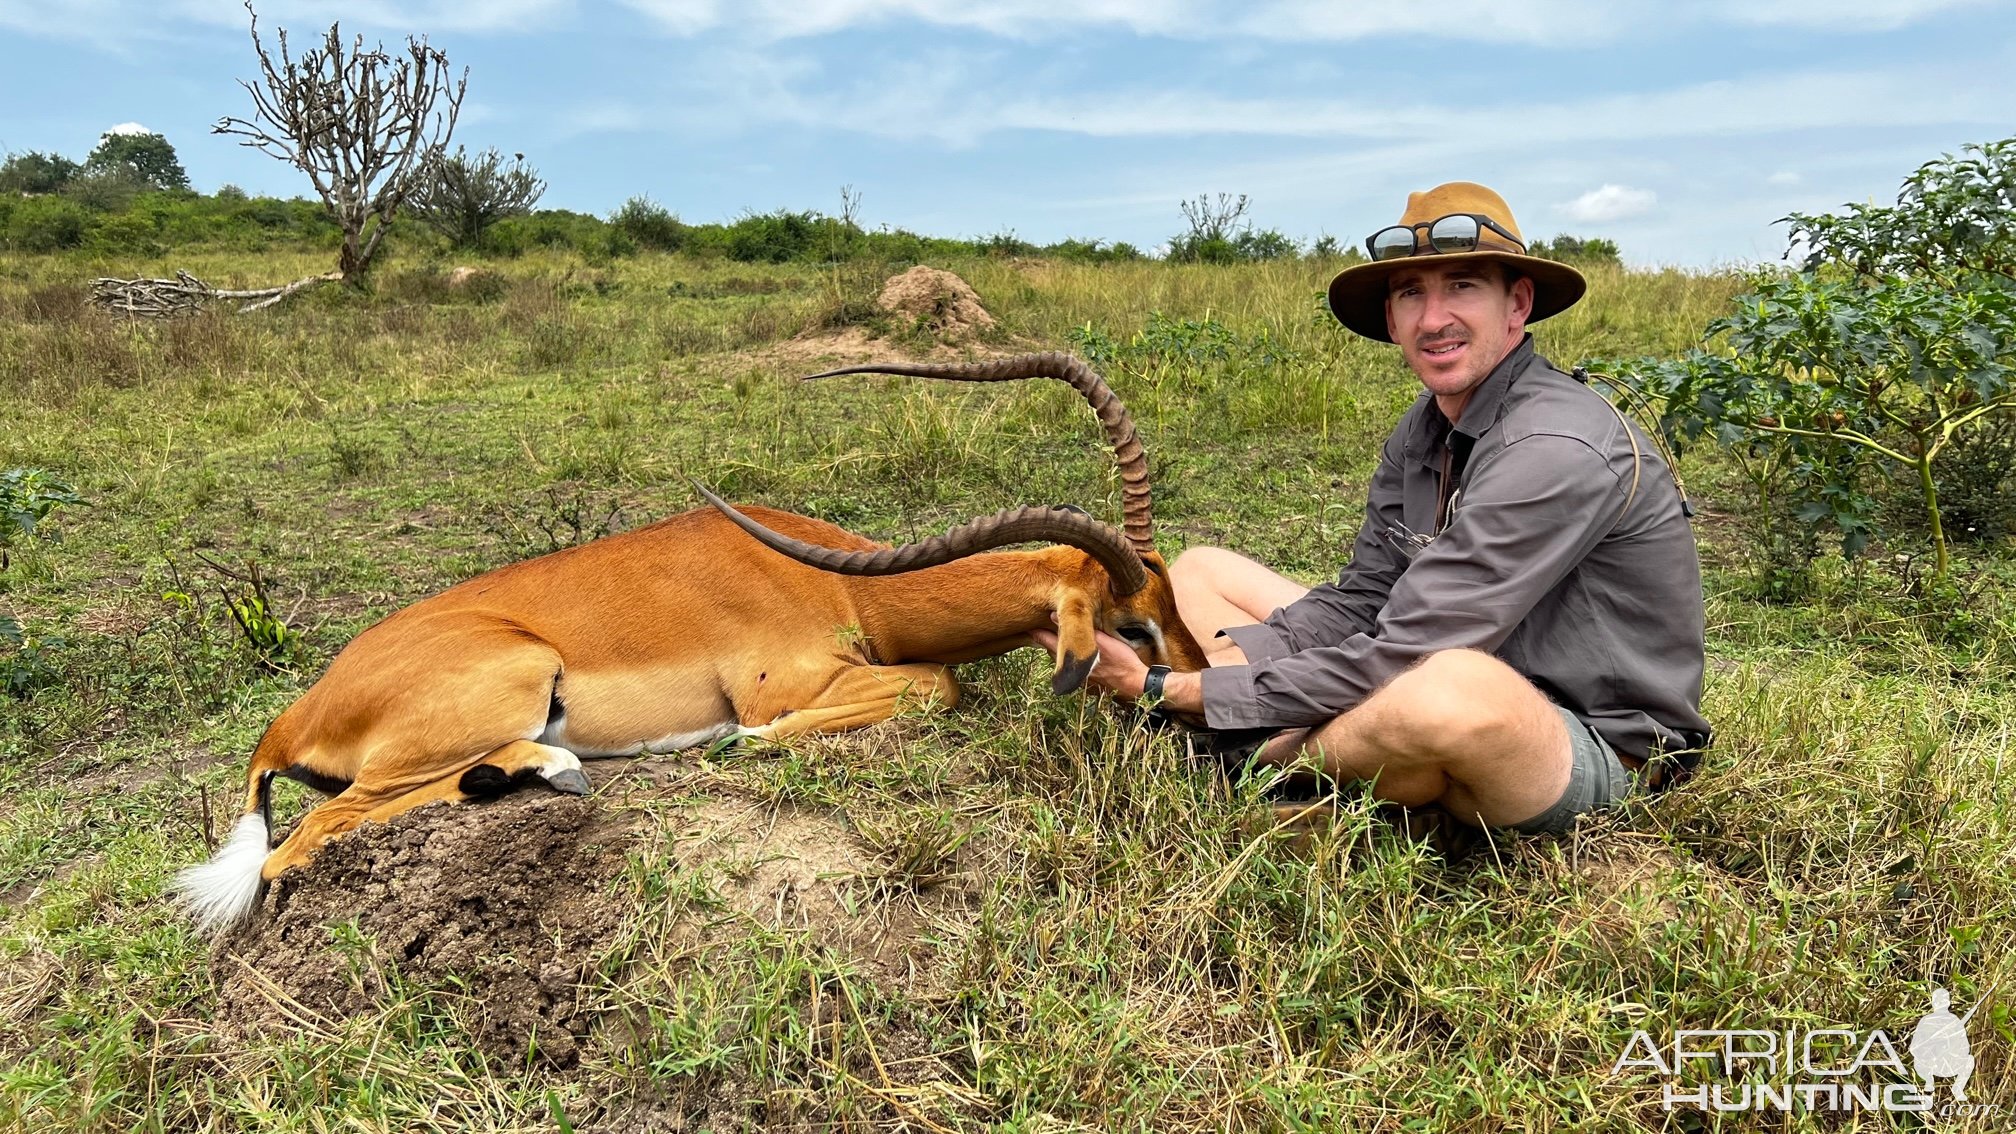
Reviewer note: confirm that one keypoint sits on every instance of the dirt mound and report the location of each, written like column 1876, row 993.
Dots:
column 936, row 301
column 793, row 870
column 509, row 900
column 511, row 905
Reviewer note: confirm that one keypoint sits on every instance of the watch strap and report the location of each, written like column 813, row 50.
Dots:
column 1151, row 686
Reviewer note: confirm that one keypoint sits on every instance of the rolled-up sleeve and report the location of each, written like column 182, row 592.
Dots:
column 1529, row 513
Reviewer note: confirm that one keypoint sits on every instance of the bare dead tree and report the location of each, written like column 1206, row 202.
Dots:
column 362, row 124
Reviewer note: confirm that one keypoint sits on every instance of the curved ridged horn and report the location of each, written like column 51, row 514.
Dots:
column 1138, row 515
column 1030, row 523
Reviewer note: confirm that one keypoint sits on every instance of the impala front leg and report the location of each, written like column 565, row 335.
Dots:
column 862, row 695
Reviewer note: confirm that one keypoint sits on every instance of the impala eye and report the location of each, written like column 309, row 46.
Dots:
column 1136, row 634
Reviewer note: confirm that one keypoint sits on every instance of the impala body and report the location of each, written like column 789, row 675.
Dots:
column 685, row 633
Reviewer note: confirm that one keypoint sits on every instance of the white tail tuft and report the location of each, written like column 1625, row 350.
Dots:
column 219, row 893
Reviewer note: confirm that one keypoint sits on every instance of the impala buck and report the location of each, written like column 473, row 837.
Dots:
column 689, row 632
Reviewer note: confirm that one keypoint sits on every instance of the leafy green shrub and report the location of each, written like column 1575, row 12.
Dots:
column 126, row 232
column 1091, row 251
column 1004, row 245
column 275, row 644
column 27, row 498
column 548, row 228
column 24, row 659
column 46, row 224
column 649, row 225
column 773, row 238
column 36, row 173
column 105, row 190
column 1220, row 234
column 1896, row 337
column 1976, row 483
column 1576, row 249
column 1264, row 244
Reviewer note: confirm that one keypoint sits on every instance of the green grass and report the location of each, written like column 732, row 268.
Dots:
column 1102, row 939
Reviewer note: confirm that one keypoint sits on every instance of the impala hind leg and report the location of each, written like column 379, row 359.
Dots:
column 504, row 770
column 862, row 695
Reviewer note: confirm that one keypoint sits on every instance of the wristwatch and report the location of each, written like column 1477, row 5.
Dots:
column 1151, row 686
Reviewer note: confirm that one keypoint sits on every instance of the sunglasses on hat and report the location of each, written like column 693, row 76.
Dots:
column 1457, row 232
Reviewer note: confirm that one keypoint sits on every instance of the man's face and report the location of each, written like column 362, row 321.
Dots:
column 1455, row 322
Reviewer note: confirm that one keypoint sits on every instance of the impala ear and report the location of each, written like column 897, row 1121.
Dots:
column 1077, row 645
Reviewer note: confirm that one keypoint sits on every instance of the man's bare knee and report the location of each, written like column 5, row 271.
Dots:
column 1199, row 565
column 1453, row 704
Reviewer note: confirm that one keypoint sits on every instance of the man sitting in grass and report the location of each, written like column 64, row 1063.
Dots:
column 1519, row 631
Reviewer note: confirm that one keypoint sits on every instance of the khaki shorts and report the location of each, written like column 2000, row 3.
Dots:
column 1597, row 779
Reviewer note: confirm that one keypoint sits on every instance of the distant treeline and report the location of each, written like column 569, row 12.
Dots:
column 120, row 217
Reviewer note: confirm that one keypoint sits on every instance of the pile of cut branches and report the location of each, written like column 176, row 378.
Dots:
column 186, row 295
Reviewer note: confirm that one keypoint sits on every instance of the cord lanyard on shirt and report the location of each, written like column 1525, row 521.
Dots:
column 1409, row 542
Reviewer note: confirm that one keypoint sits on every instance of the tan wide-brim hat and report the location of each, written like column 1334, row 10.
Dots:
column 1358, row 294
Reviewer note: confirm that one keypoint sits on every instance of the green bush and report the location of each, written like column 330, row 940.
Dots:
column 546, row 228
column 649, row 225
column 35, row 173
column 105, row 190
column 773, row 238
column 1895, row 340
column 27, row 498
column 46, row 224
column 127, row 232
column 1092, row 251
column 1577, row 250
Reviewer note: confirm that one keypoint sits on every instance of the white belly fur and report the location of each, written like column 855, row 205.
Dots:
column 555, row 733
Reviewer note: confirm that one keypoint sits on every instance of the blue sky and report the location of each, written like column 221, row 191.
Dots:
column 1682, row 131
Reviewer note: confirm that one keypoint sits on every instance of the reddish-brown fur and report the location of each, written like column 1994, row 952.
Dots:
column 667, row 630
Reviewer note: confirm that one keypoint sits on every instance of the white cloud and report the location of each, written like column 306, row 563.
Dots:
column 605, row 118
column 115, row 25
column 1835, row 15
column 1610, row 203
column 1784, row 177
column 127, row 128
column 1544, row 23
column 952, row 97
column 783, row 19
column 399, row 17
column 1547, row 23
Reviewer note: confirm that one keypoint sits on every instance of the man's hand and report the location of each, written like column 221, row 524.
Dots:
column 1120, row 671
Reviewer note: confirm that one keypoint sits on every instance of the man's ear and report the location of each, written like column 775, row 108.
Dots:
column 1077, row 644
column 1522, row 301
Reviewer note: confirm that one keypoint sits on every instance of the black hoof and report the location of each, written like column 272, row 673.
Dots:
column 571, row 780
column 485, row 781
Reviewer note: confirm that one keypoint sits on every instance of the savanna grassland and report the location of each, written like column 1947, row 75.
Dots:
column 1052, row 922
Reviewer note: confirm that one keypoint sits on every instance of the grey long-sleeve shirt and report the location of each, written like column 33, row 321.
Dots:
column 1549, row 559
